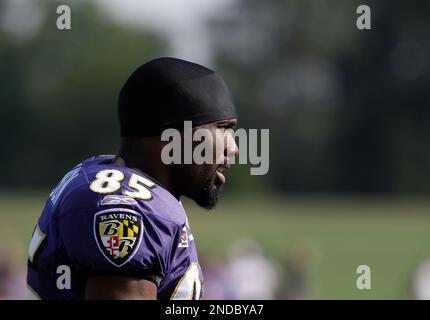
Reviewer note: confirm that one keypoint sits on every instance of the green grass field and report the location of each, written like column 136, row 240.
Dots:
column 389, row 235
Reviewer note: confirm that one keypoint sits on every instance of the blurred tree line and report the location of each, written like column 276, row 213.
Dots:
column 348, row 110
column 59, row 90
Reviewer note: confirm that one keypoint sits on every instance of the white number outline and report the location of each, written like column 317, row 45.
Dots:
column 141, row 184
column 113, row 181
column 142, row 190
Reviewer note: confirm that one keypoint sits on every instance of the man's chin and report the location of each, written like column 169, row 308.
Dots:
column 208, row 196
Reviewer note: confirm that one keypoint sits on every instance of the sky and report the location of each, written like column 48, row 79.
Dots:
column 182, row 22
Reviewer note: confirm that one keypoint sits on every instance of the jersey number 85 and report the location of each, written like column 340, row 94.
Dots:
column 110, row 181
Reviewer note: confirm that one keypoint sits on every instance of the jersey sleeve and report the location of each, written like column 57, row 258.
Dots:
column 118, row 240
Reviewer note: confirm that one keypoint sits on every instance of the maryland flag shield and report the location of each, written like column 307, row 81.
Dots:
column 118, row 233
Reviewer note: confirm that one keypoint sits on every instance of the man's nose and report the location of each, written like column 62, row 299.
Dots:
column 231, row 149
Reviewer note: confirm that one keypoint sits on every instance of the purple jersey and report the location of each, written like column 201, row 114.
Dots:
column 105, row 219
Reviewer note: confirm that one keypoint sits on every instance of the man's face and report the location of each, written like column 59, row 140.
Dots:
column 205, row 181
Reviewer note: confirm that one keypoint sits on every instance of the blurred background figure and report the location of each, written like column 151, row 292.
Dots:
column 216, row 285
column 249, row 273
column 297, row 269
column 12, row 274
column 421, row 281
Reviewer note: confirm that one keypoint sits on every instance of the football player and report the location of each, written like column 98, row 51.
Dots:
column 114, row 227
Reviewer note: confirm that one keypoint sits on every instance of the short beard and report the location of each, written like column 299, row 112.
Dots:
column 208, row 195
